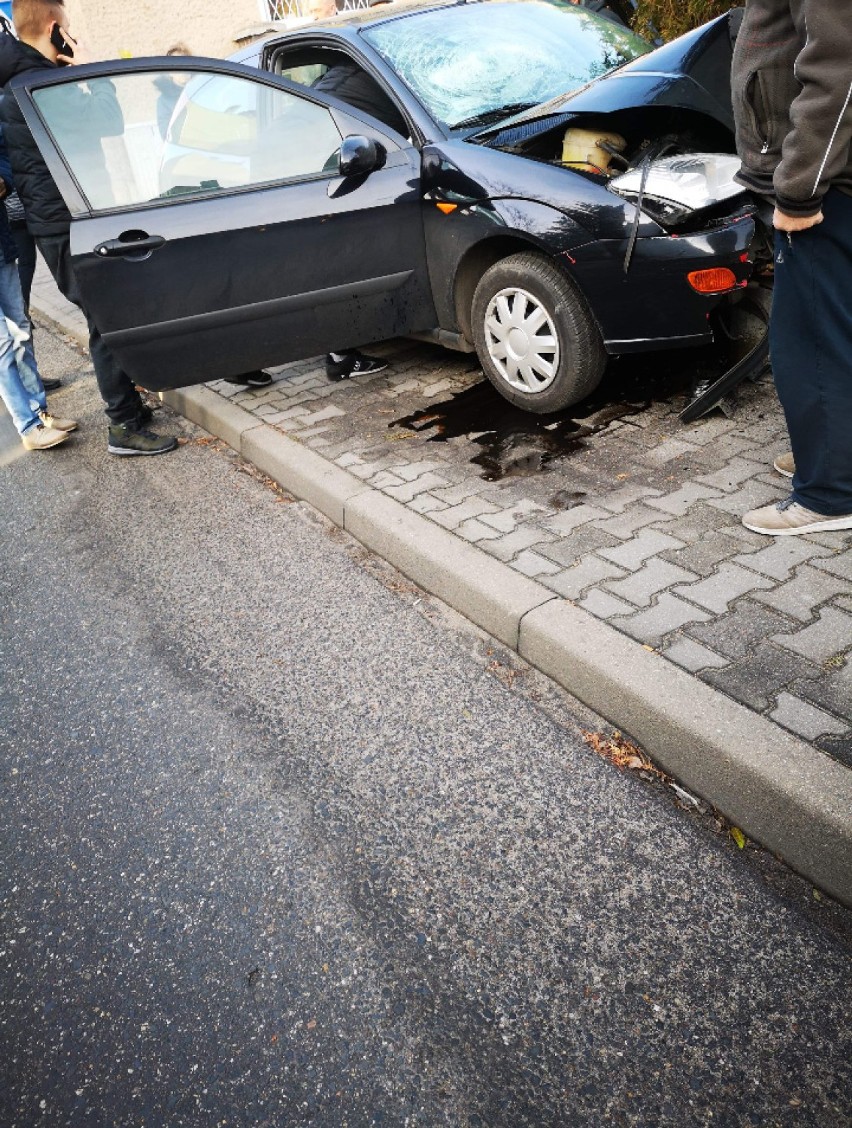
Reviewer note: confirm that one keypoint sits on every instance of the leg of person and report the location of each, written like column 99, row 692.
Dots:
column 19, row 400
column 127, row 435
column 26, row 272
column 350, row 362
column 26, row 260
column 811, row 336
column 21, row 332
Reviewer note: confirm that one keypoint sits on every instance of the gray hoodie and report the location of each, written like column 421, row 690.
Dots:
column 791, row 85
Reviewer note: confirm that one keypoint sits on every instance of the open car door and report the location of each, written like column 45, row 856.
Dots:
column 224, row 219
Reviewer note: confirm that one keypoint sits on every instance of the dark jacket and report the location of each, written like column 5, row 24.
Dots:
column 97, row 108
column 8, row 246
column 791, row 85
column 356, row 88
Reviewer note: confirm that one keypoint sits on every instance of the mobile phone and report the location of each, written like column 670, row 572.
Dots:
column 60, row 42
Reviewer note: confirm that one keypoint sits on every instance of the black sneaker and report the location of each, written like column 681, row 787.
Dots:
column 353, row 364
column 259, row 379
column 130, row 438
column 50, row 385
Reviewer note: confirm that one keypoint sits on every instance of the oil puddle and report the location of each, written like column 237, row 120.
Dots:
column 517, row 444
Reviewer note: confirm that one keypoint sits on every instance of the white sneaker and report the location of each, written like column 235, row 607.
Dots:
column 787, row 518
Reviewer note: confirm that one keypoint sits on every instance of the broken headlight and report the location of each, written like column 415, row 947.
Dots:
column 673, row 188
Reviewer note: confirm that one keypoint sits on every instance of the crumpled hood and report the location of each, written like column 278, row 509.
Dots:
column 692, row 72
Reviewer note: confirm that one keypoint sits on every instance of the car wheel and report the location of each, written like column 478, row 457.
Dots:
column 536, row 340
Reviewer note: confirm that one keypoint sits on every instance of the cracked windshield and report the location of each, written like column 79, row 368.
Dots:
column 450, row 57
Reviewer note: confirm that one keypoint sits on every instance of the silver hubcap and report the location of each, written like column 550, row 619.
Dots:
column 521, row 340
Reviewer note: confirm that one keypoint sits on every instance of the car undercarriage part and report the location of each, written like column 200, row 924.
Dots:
column 708, row 394
column 741, row 323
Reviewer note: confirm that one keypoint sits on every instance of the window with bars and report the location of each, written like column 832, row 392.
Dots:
column 282, row 9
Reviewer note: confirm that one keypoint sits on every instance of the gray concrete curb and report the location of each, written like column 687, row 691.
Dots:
column 783, row 793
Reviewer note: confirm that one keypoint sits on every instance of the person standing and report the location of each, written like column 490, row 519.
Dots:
column 21, row 388
column 23, row 239
column 38, row 23
column 792, row 97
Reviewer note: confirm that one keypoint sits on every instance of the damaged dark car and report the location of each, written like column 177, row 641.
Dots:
column 517, row 177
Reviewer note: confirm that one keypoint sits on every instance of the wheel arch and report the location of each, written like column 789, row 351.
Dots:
column 477, row 259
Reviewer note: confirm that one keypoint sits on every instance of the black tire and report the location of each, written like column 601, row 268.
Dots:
column 528, row 283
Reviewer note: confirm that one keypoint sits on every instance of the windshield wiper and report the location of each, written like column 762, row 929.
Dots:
column 495, row 114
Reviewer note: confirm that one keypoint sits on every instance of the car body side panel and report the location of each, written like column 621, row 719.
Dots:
column 259, row 278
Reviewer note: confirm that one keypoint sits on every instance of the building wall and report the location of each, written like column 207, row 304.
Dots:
column 149, row 27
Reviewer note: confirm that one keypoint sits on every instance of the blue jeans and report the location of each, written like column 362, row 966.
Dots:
column 811, row 343
column 20, row 384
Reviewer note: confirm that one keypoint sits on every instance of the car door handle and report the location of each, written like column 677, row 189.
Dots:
column 129, row 243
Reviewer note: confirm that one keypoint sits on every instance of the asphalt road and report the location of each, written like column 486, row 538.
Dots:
column 284, row 844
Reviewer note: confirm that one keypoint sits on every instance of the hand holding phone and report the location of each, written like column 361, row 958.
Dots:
column 64, row 46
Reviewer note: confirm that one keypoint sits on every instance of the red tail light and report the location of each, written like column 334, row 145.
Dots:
column 715, row 281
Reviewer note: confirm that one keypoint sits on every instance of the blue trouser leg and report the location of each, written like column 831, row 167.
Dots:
column 811, row 344
column 20, row 385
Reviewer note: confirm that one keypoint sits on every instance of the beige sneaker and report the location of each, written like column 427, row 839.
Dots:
column 787, row 518
column 785, row 465
column 57, row 424
column 42, row 438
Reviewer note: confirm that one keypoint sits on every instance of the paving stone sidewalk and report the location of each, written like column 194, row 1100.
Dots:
column 638, row 523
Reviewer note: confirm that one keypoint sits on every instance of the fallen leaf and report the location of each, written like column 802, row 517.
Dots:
column 738, row 836
column 312, row 1024
column 620, row 752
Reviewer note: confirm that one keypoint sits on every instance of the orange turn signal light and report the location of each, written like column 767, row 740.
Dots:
column 715, row 281
column 446, row 208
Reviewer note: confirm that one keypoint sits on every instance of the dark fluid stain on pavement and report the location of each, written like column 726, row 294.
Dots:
column 516, row 443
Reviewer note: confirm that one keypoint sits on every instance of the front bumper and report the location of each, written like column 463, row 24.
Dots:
column 651, row 305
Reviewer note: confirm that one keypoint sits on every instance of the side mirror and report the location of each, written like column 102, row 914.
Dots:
column 360, row 156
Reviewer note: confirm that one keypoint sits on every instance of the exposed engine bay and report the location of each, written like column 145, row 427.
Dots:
column 673, row 164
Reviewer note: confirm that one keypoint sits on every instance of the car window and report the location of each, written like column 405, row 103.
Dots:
column 338, row 74
column 466, row 62
column 156, row 135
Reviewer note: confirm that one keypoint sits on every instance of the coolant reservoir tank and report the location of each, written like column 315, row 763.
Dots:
column 581, row 148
